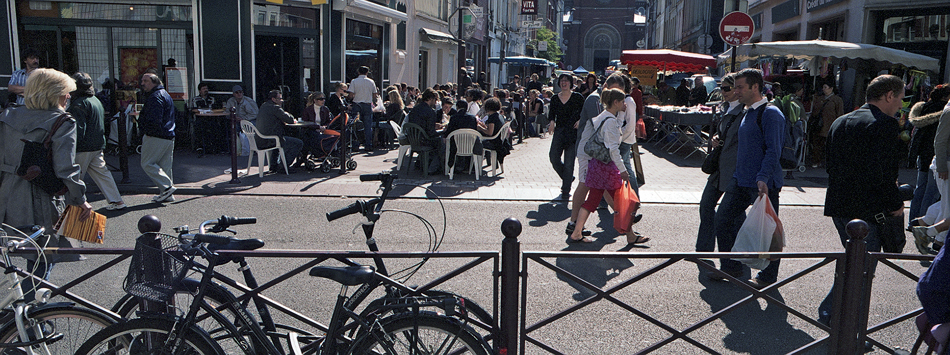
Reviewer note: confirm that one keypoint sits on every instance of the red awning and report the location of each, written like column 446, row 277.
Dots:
column 669, row 60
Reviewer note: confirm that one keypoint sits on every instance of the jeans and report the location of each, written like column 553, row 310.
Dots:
column 292, row 147
column 366, row 115
column 728, row 220
column 563, row 143
column 626, row 151
column 924, row 194
column 872, row 244
column 706, row 238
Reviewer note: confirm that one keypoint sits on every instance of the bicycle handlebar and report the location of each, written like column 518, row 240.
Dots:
column 233, row 221
column 212, row 238
column 355, row 207
column 375, row 177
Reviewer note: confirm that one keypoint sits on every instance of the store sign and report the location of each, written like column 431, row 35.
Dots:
column 529, row 7
column 811, row 5
column 646, row 74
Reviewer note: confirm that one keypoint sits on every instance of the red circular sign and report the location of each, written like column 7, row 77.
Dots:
column 736, row 28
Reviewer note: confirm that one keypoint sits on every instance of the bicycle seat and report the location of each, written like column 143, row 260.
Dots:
column 346, row 275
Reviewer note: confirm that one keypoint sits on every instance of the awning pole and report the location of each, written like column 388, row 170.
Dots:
column 733, row 59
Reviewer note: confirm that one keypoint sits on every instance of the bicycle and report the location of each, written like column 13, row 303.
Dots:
column 161, row 261
column 37, row 326
column 128, row 305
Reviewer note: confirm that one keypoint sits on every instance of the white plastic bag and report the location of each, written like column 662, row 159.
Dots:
column 761, row 232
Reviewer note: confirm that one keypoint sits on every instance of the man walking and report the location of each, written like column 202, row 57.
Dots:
column 270, row 122
column 157, row 122
column 31, row 61
column 365, row 93
column 91, row 139
column 758, row 173
column 863, row 160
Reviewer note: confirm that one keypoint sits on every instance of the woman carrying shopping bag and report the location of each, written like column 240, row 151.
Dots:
column 600, row 166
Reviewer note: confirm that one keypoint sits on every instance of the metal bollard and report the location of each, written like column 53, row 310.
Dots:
column 850, row 320
column 510, row 272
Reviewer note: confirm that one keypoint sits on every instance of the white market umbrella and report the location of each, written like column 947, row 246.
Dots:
column 821, row 48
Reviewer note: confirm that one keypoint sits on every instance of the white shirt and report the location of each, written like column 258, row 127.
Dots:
column 363, row 88
column 629, row 115
column 610, row 134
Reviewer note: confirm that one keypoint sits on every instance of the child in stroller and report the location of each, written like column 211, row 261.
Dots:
column 321, row 144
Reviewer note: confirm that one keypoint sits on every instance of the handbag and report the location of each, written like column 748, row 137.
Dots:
column 626, row 204
column 36, row 162
column 595, row 147
column 604, row 176
column 762, row 232
column 711, row 163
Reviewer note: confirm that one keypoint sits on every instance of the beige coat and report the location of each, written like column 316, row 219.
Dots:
column 22, row 204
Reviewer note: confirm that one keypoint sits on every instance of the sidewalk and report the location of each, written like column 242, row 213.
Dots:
column 528, row 176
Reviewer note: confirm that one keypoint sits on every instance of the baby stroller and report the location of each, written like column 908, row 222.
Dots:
column 326, row 153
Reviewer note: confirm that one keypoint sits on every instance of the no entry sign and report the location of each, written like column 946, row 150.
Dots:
column 736, row 28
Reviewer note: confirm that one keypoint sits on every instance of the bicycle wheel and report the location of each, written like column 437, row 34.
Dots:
column 75, row 323
column 137, row 336
column 128, row 307
column 436, row 335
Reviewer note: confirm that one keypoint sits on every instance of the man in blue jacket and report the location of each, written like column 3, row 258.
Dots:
column 157, row 122
column 758, row 173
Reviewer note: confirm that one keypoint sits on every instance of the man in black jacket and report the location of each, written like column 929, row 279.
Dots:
column 863, row 162
column 425, row 115
column 157, row 123
column 270, row 122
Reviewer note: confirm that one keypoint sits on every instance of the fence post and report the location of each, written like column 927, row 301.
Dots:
column 847, row 323
column 510, row 272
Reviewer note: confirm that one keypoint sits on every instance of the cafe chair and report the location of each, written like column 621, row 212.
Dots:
column 493, row 155
column 402, row 148
column 419, row 141
column 262, row 157
column 465, row 140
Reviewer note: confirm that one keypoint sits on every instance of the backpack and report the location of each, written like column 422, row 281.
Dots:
column 793, row 135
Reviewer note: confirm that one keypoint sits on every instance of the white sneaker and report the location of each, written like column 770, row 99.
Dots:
column 165, row 196
column 116, row 206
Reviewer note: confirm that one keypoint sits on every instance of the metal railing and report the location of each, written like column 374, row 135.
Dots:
column 510, row 330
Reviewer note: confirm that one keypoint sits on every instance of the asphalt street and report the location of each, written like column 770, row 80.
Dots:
column 677, row 295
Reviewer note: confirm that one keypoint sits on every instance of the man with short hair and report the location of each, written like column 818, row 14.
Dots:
column 31, row 61
column 203, row 100
column 426, row 115
column 157, row 122
column 270, row 122
column 245, row 107
column 515, row 83
column 758, row 173
column 863, row 162
column 365, row 94
column 212, row 130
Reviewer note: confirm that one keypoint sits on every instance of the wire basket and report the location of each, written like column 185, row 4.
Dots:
column 157, row 268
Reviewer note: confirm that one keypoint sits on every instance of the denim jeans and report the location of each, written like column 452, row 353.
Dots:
column 626, row 151
column 925, row 193
column 706, row 238
column 872, row 244
column 292, row 147
column 728, row 220
column 563, row 143
column 366, row 115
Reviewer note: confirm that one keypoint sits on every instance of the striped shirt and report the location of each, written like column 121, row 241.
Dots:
column 19, row 78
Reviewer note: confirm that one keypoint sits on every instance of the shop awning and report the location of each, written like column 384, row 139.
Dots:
column 833, row 49
column 668, row 59
column 384, row 13
column 437, row 36
column 522, row 61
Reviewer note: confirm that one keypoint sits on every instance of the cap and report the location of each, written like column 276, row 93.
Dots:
column 237, row 88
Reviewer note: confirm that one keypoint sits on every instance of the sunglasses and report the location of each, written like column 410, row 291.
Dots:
column 321, row 98
column 726, row 88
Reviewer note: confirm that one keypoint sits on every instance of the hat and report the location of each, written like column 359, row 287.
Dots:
column 84, row 84
column 237, row 88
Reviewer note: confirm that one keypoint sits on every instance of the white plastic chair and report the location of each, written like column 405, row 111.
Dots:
column 493, row 155
column 262, row 157
column 403, row 149
column 465, row 140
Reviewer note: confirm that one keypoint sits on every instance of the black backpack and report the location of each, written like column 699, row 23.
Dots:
column 791, row 142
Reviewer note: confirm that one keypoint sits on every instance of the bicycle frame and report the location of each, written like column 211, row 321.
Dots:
column 21, row 308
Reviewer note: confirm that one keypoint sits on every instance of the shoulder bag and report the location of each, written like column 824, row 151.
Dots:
column 36, row 162
column 711, row 163
column 595, row 147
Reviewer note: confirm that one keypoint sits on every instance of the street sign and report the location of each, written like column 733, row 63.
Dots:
column 542, row 46
column 736, row 28
column 476, row 10
column 529, row 7
column 528, row 24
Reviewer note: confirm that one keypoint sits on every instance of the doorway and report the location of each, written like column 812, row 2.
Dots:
column 278, row 68
column 601, row 60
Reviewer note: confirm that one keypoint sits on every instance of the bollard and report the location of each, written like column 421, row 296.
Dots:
column 849, row 322
column 510, row 272
column 235, row 122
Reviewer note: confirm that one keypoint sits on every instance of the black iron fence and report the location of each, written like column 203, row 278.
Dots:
column 517, row 324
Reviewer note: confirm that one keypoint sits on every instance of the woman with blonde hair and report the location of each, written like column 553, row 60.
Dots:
column 46, row 94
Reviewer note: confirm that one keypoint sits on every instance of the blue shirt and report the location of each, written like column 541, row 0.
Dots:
column 19, row 78
column 760, row 147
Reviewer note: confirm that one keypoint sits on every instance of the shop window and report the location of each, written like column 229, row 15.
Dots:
column 133, row 12
column 284, row 16
column 908, row 29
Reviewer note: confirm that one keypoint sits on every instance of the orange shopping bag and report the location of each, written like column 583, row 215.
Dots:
column 626, row 204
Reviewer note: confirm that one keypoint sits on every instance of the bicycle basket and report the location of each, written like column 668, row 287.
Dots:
column 157, row 267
